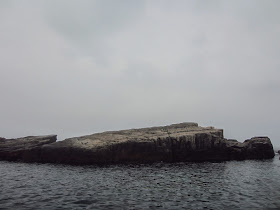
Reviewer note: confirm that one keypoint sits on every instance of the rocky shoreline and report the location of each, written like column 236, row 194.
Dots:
column 182, row 142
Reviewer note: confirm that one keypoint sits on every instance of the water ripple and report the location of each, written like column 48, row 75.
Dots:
column 234, row 185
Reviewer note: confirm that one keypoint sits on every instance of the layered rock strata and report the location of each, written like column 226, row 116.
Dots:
column 174, row 143
column 24, row 149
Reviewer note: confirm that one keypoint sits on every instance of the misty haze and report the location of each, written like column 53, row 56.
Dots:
column 71, row 69
column 77, row 68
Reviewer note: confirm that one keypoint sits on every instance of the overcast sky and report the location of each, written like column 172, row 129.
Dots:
column 74, row 67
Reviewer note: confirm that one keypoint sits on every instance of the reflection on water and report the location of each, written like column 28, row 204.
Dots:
column 245, row 184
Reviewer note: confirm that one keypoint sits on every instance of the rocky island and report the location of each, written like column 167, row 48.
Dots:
column 174, row 143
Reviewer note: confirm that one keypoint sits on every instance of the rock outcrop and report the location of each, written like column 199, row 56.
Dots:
column 25, row 149
column 174, row 143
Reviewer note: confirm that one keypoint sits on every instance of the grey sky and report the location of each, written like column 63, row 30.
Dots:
column 78, row 67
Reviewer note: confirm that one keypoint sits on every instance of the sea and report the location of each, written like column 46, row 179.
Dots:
column 250, row 184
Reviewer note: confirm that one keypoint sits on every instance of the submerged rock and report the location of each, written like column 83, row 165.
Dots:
column 174, row 143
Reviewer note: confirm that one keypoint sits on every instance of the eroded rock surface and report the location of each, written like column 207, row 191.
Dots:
column 27, row 149
column 174, row 143
column 178, row 142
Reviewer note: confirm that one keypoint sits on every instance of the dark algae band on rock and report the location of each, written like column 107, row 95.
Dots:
column 174, row 143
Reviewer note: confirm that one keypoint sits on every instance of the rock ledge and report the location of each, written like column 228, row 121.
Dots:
column 173, row 143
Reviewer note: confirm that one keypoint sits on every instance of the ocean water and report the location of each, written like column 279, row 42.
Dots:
column 226, row 185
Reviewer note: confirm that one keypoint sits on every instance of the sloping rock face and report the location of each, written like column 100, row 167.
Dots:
column 27, row 149
column 178, row 142
column 174, row 143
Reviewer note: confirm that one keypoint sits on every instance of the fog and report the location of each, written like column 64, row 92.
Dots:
column 74, row 67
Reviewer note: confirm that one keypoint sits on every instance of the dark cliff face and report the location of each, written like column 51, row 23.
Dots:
column 168, row 144
column 25, row 149
column 174, row 143
column 259, row 148
column 254, row 148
